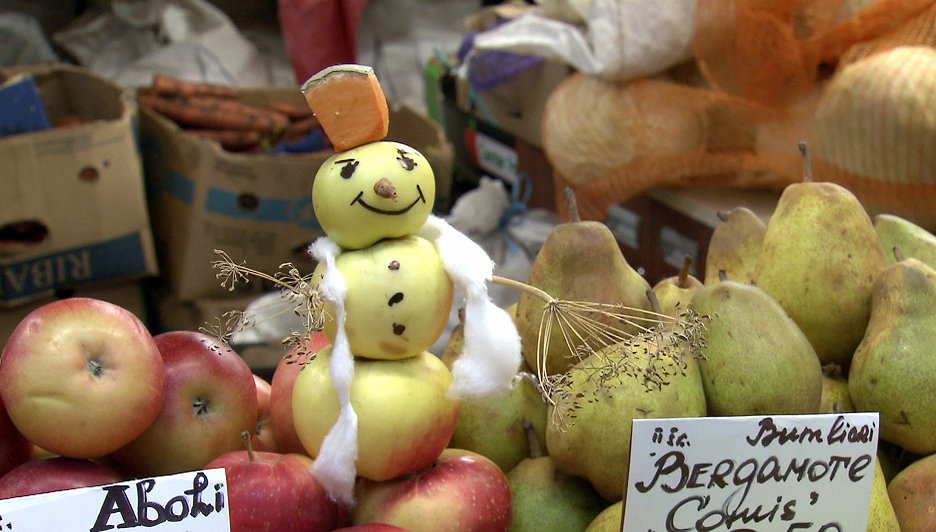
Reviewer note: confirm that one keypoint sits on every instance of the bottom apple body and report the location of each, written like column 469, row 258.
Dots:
column 460, row 491
column 44, row 475
column 405, row 418
column 275, row 491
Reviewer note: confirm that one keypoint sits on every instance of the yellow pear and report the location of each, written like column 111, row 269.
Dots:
column 609, row 520
column 674, row 293
column 912, row 239
column 819, row 259
column 881, row 516
column 580, row 260
column 757, row 361
column 893, row 372
column 595, row 442
column 734, row 245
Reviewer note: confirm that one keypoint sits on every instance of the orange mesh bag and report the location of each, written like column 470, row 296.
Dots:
column 875, row 132
column 766, row 65
column 612, row 141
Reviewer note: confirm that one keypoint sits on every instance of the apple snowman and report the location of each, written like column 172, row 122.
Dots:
column 388, row 272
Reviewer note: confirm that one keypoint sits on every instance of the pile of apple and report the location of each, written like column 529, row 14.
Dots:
column 90, row 397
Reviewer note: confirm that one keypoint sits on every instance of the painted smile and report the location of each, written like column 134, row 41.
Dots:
column 404, row 210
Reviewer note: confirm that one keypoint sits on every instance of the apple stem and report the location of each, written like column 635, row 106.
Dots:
column 536, row 449
column 249, row 446
column 530, row 289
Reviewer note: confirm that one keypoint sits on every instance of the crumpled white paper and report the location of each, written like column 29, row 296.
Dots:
column 620, row 40
column 186, row 39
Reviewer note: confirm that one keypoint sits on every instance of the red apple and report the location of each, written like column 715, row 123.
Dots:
column 284, row 377
column 211, row 398
column 81, row 377
column 15, row 449
column 275, row 491
column 57, row 473
column 461, row 490
column 263, row 437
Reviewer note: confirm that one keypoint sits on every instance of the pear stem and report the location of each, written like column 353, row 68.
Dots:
column 530, row 289
column 536, row 450
column 572, row 205
column 249, row 446
column 807, row 166
column 684, row 272
column 654, row 302
column 898, row 254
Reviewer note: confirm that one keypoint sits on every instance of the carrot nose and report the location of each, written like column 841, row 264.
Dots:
column 385, row 189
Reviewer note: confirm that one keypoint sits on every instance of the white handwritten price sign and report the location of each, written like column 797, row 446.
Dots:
column 188, row 501
column 757, row 473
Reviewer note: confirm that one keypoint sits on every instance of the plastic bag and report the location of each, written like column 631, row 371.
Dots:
column 186, row 39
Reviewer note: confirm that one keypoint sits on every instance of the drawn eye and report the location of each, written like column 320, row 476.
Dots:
column 350, row 165
column 405, row 160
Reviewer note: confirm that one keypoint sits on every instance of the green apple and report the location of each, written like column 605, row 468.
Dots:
column 405, row 418
column 398, row 298
column 379, row 190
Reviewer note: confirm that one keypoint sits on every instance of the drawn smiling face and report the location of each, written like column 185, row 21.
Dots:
column 375, row 191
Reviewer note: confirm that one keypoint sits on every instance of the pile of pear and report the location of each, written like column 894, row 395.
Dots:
column 819, row 308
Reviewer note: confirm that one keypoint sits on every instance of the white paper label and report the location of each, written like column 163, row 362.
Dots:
column 194, row 500
column 763, row 473
column 497, row 158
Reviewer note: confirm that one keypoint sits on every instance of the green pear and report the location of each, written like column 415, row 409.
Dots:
column 595, row 442
column 492, row 425
column 819, row 259
column 893, row 371
column 674, row 293
column 912, row 239
column 734, row 245
column 881, row 516
column 545, row 499
column 579, row 261
column 835, row 396
column 913, row 495
column 756, row 360
column 609, row 520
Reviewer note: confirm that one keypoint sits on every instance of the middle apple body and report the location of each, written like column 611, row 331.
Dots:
column 404, row 417
column 398, row 298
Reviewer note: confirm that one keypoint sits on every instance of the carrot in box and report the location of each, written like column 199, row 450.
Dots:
column 349, row 104
column 169, row 86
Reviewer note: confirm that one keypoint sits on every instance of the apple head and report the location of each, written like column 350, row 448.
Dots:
column 460, row 490
column 211, row 398
column 275, row 491
column 398, row 298
column 284, row 377
column 405, row 418
column 56, row 473
column 378, row 190
column 81, row 377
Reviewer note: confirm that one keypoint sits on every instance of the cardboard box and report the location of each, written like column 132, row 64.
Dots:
column 257, row 207
column 657, row 230
column 128, row 294
column 72, row 199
